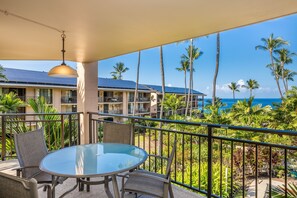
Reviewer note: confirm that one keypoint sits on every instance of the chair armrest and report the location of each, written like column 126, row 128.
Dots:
column 137, row 174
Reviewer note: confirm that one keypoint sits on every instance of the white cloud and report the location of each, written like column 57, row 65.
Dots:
column 169, row 85
column 240, row 82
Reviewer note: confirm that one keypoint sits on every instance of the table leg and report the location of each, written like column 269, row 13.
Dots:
column 115, row 186
column 106, row 187
column 54, row 183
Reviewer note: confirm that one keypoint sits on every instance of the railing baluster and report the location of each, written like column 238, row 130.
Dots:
column 256, row 181
column 155, row 150
column 243, row 170
column 78, row 129
column 231, row 193
column 149, row 150
column 221, row 167
column 62, row 131
column 270, row 170
column 209, row 162
column 90, row 129
column 70, row 130
column 191, row 160
column 183, row 158
column 199, row 168
column 286, row 174
column 3, row 150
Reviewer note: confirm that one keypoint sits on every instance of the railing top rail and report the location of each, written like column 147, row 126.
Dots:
column 242, row 128
column 36, row 114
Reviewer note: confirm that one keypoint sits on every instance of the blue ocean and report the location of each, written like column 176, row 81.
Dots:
column 229, row 101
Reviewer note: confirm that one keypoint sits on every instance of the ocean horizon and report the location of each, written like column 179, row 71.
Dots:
column 230, row 101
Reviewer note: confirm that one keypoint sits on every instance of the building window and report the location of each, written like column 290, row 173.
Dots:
column 20, row 92
column 47, row 94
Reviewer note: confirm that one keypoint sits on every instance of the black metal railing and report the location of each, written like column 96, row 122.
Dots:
column 61, row 129
column 212, row 159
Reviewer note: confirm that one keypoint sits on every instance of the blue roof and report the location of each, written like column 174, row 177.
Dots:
column 20, row 76
column 173, row 90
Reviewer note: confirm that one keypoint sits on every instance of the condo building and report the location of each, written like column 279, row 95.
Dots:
column 114, row 96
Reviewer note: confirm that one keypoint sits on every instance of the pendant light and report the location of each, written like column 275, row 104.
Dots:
column 63, row 70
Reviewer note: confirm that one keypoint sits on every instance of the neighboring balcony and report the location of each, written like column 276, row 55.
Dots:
column 142, row 99
column 112, row 111
column 110, row 99
column 139, row 111
column 68, row 100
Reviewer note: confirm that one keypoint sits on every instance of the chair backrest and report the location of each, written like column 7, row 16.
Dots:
column 118, row 133
column 15, row 187
column 30, row 149
column 170, row 159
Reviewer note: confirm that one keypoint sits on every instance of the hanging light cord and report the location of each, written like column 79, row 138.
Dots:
column 63, row 45
column 5, row 12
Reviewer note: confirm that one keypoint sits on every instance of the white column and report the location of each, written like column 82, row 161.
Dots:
column 57, row 99
column 87, row 95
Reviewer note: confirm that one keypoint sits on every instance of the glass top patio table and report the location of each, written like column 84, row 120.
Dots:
column 93, row 160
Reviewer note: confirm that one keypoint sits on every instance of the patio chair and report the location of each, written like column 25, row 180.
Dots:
column 15, row 187
column 118, row 133
column 113, row 133
column 150, row 183
column 31, row 149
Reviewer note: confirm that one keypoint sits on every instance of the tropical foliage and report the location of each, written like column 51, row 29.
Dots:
column 119, row 69
column 2, row 76
column 9, row 103
column 173, row 103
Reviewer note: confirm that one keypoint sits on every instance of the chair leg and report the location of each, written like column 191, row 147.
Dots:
column 170, row 190
column 88, row 186
column 49, row 192
column 166, row 186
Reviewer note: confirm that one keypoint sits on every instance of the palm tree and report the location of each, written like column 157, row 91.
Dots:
column 172, row 103
column 136, row 87
column 2, row 76
column 251, row 84
column 288, row 76
column 234, row 87
column 271, row 44
column 10, row 103
column 216, row 70
column 184, row 68
column 192, row 54
column 119, row 69
column 285, row 57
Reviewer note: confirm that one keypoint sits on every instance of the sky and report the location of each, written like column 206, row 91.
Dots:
column 239, row 61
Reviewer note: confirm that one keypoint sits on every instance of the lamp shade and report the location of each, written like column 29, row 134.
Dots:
column 63, row 71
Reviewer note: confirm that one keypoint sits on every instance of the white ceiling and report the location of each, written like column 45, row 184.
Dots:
column 99, row 29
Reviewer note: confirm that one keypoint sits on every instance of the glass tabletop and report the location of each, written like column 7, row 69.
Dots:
column 93, row 160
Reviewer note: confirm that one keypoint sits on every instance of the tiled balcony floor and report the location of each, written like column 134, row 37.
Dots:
column 96, row 191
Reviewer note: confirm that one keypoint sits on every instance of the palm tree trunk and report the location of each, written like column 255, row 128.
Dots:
column 136, row 87
column 191, row 77
column 163, row 81
column 283, row 77
column 233, row 94
column 251, row 93
column 185, row 71
column 163, row 97
column 191, row 103
column 216, row 71
column 275, row 75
